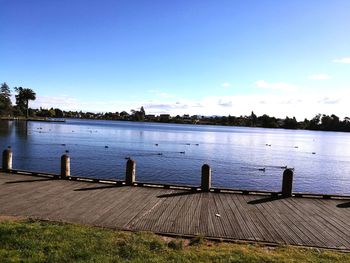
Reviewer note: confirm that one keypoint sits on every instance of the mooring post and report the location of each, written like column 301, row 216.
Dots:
column 206, row 178
column 65, row 166
column 7, row 159
column 130, row 172
column 287, row 183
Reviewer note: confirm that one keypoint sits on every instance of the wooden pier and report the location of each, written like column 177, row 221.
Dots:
column 281, row 217
column 314, row 222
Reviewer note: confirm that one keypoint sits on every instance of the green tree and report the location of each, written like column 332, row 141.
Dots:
column 290, row 123
column 267, row 121
column 253, row 119
column 138, row 115
column 5, row 100
column 314, row 123
column 23, row 97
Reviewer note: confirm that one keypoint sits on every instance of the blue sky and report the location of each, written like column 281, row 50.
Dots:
column 198, row 57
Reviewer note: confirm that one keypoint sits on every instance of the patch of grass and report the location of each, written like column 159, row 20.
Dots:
column 39, row 241
column 176, row 244
column 196, row 241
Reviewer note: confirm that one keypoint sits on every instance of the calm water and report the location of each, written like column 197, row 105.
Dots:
column 235, row 154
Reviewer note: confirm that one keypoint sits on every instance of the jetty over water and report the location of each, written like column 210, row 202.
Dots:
column 303, row 221
column 272, row 218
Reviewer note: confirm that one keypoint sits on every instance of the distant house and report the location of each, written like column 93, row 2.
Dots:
column 164, row 117
column 150, row 117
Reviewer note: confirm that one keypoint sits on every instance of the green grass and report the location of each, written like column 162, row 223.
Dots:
column 38, row 241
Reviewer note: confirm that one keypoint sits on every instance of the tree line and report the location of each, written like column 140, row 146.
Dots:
column 320, row 122
column 23, row 96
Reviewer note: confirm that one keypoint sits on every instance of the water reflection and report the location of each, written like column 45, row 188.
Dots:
column 5, row 128
column 21, row 129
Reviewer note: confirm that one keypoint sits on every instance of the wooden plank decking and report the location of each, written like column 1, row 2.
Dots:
column 297, row 221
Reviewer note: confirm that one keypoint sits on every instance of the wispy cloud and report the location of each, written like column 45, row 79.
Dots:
column 63, row 102
column 319, row 77
column 345, row 60
column 328, row 100
column 225, row 103
column 282, row 86
column 300, row 105
column 226, row 85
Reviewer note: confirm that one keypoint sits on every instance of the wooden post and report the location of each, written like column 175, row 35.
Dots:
column 206, row 178
column 65, row 166
column 130, row 172
column 287, row 183
column 7, row 159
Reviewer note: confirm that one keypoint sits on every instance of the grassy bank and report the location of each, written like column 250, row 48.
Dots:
column 37, row 241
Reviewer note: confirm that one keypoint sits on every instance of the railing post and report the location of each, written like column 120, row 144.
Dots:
column 130, row 172
column 206, row 178
column 287, row 183
column 65, row 166
column 7, row 159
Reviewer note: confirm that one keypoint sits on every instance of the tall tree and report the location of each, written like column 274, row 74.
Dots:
column 5, row 100
column 23, row 97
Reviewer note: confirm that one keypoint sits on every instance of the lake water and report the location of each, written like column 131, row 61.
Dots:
column 98, row 149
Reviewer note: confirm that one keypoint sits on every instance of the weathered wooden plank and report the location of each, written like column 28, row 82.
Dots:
column 182, row 221
column 307, row 225
column 259, row 222
column 243, row 230
column 194, row 218
column 315, row 223
column 330, row 230
column 268, row 221
column 146, row 206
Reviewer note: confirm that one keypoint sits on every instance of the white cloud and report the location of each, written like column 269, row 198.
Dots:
column 63, row 102
column 282, row 86
column 319, row 77
column 301, row 105
column 226, row 85
column 342, row 60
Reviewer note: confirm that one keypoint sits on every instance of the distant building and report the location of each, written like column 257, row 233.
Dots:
column 164, row 117
column 150, row 117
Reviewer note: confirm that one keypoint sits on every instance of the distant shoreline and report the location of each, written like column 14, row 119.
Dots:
column 60, row 120
column 31, row 119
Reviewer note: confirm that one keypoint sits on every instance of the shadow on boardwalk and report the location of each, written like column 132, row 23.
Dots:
column 266, row 199
column 344, row 205
column 97, row 188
